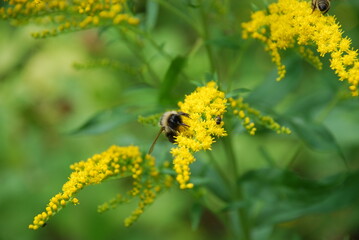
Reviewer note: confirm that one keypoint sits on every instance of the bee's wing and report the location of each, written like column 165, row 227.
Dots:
column 314, row 5
column 154, row 142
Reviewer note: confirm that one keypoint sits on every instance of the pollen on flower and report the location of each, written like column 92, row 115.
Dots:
column 249, row 117
column 203, row 105
column 292, row 22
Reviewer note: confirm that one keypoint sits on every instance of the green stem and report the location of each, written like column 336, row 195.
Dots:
column 227, row 141
column 177, row 12
column 223, row 175
column 290, row 164
column 235, row 65
column 325, row 112
column 240, row 215
column 148, row 37
column 206, row 37
column 195, row 47
column 140, row 56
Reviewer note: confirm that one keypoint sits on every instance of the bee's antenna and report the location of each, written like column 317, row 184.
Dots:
column 154, row 142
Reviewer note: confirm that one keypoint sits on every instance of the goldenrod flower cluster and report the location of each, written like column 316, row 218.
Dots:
column 115, row 162
column 291, row 22
column 249, row 116
column 204, row 105
column 67, row 15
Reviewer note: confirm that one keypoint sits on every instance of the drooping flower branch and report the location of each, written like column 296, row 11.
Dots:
column 292, row 22
column 67, row 16
column 114, row 162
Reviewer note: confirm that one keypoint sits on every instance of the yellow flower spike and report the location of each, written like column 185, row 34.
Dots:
column 292, row 22
column 203, row 105
column 147, row 182
column 69, row 15
column 249, row 117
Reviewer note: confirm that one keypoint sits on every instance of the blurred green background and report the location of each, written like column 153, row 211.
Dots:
column 45, row 102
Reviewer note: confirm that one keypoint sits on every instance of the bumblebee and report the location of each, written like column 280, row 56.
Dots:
column 218, row 120
column 322, row 5
column 170, row 123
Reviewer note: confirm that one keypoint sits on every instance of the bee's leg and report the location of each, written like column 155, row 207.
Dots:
column 183, row 124
column 171, row 136
column 154, row 142
column 183, row 114
column 314, row 3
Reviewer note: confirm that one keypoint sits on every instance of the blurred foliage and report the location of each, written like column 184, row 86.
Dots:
column 65, row 98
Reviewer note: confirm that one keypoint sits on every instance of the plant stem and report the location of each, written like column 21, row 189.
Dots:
column 240, row 215
column 177, row 12
column 206, row 37
column 140, row 56
column 331, row 105
column 219, row 169
column 325, row 112
column 196, row 46
column 148, row 37
column 235, row 64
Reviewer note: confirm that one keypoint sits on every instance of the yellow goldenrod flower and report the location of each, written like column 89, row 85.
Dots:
column 291, row 22
column 116, row 161
column 68, row 15
column 204, row 105
column 250, row 116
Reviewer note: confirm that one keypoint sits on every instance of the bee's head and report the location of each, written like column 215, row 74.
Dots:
column 324, row 6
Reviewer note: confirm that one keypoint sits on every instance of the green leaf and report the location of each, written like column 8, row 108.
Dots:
column 197, row 83
column 196, row 215
column 234, row 206
column 267, row 157
column 309, row 104
column 236, row 92
column 225, row 42
column 217, row 186
column 315, row 135
column 275, row 196
column 151, row 15
column 104, row 121
column 193, row 4
column 271, row 92
column 211, row 77
column 171, row 78
column 199, row 181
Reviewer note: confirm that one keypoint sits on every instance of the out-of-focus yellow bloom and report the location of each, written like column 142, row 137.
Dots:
column 291, row 22
column 67, row 15
column 204, row 105
column 250, row 117
column 116, row 161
